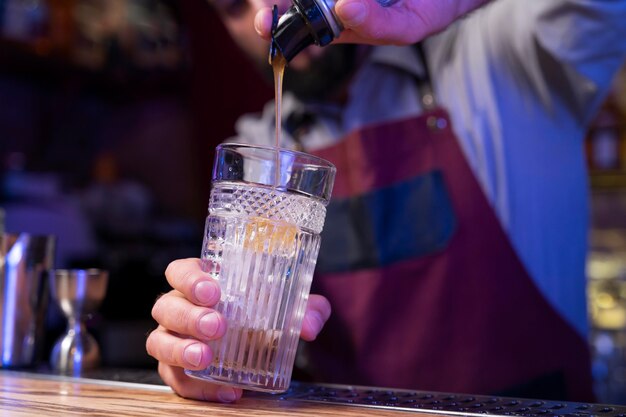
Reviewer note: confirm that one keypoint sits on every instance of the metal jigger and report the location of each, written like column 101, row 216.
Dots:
column 78, row 292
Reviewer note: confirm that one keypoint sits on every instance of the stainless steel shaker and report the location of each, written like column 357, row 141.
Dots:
column 25, row 262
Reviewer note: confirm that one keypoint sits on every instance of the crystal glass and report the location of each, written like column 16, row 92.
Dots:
column 266, row 211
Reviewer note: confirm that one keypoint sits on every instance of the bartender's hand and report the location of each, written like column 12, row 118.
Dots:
column 187, row 321
column 403, row 23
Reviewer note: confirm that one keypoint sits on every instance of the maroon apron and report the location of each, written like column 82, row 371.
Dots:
column 426, row 289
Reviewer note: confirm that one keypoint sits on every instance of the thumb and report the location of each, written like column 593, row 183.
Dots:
column 367, row 21
column 315, row 316
column 352, row 13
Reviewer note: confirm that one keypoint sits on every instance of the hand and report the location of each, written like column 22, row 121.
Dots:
column 403, row 23
column 187, row 322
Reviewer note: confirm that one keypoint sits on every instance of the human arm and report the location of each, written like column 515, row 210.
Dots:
column 521, row 81
column 187, row 321
column 403, row 23
column 561, row 54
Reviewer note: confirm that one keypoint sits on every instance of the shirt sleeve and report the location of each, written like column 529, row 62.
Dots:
column 521, row 79
column 565, row 51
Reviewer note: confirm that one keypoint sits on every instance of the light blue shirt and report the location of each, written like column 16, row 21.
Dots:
column 521, row 79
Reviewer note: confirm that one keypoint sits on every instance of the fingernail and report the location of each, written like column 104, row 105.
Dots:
column 193, row 354
column 205, row 292
column 352, row 12
column 209, row 324
column 226, row 394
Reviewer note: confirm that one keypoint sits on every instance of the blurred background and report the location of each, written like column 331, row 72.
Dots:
column 110, row 111
column 109, row 114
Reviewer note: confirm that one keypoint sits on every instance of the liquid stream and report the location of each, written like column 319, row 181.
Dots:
column 278, row 66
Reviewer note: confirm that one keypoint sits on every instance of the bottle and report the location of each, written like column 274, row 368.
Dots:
column 309, row 22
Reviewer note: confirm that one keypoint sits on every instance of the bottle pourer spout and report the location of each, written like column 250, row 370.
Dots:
column 305, row 23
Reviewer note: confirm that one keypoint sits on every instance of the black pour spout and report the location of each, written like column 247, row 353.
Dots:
column 305, row 23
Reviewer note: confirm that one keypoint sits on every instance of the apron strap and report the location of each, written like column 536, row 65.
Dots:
column 424, row 82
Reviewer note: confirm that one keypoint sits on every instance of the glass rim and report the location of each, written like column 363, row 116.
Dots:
column 323, row 163
column 300, row 172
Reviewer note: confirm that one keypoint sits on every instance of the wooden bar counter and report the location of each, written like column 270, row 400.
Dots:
column 24, row 394
column 40, row 394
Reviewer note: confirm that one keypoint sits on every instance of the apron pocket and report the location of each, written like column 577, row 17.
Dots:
column 406, row 220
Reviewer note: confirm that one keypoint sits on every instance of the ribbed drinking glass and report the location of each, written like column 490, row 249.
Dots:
column 262, row 236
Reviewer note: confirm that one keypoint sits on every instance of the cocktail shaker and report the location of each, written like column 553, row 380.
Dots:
column 309, row 22
column 25, row 262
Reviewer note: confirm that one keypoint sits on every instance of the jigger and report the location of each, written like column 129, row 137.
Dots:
column 78, row 292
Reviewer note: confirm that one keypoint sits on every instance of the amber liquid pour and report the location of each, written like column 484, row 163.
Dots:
column 278, row 65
